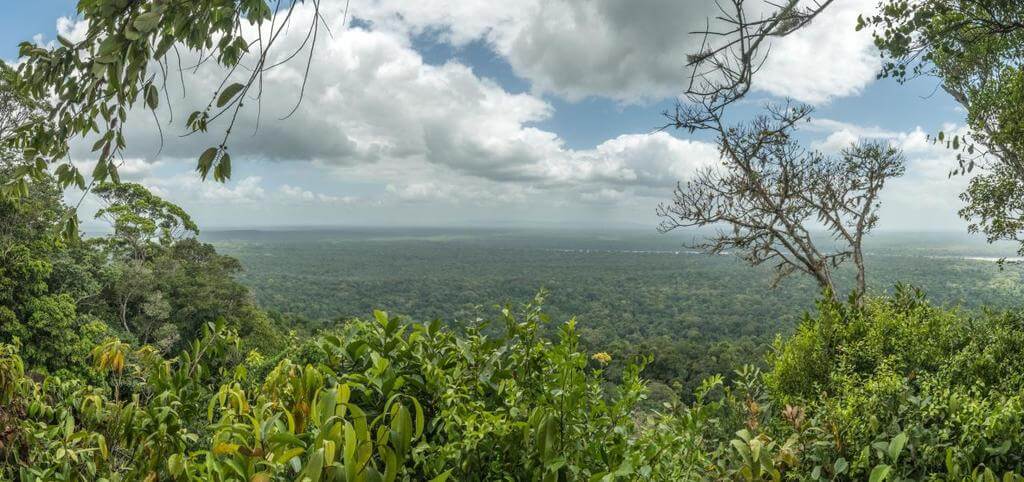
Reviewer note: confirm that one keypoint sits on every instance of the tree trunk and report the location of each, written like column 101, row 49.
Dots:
column 124, row 313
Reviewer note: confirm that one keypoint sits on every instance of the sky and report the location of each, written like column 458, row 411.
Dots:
column 527, row 113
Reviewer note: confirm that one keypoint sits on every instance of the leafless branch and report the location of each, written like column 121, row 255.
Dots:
column 769, row 193
column 736, row 45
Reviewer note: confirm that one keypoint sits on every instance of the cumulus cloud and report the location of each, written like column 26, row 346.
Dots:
column 826, row 60
column 636, row 51
column 189, row 188
column 369, row 98
column 926, row 197
column 461, row 192
column 375, row 112
column 295, row 193
column 129, row 169
column 627, row 51
column 841, row 135
column 652, row 160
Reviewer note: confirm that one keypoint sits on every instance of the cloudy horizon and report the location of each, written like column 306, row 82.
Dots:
column 541, row 113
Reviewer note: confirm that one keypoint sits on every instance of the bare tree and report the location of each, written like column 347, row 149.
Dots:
column 736, row 43
column 769, row 193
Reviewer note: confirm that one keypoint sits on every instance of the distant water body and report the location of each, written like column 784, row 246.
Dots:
column 990, row 259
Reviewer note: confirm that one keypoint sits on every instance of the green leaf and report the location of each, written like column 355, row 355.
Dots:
column 879, row 473
column 176, row 464
column 99, row 172
column 146, row 22
column 152, row 96
column 206, row 161
column 236, row 466
column 419, row 418
column 131, row 34
column 229, row 93
column 390, row 465
column 70, row 231
column 109, row 46
column 381, row 317
column 443, row 477
column 840, row 466
column 348, row 453
column 222, row 172
column 741, row 448
column 314, row 467
column 1001, row 449
column 402, row 425
column 896, row 446
column 285, row 438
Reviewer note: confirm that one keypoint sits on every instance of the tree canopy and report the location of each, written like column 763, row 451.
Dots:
column 975, row 49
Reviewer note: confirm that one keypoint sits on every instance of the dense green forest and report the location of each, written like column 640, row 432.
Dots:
column 633, row 293
column 789, row 341
column 172, row 387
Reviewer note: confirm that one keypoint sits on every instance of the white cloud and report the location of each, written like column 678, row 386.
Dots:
column 627, row 51
column 369, row 98
column 294, row 193
column 826, row 60
column 654, row 160
column 604, row 196
column 926, row 197
column 636, row 51
column 74, row 31
column 375, row 111
column 842, row 134
column 189, row 189
column 377, row 114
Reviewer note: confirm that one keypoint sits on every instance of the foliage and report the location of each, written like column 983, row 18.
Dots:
column 140, row 218
column 891, row 389
column 894, row 389
column 43, row 321
column 974, row 48
column 373, row 400
column 59, row 297
column 124, row 60
column 905, row 390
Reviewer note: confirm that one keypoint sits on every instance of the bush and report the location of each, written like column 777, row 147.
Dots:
column 894, row 389
column 373, row 400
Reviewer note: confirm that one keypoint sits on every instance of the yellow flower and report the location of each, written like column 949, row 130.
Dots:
column 601, row 357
